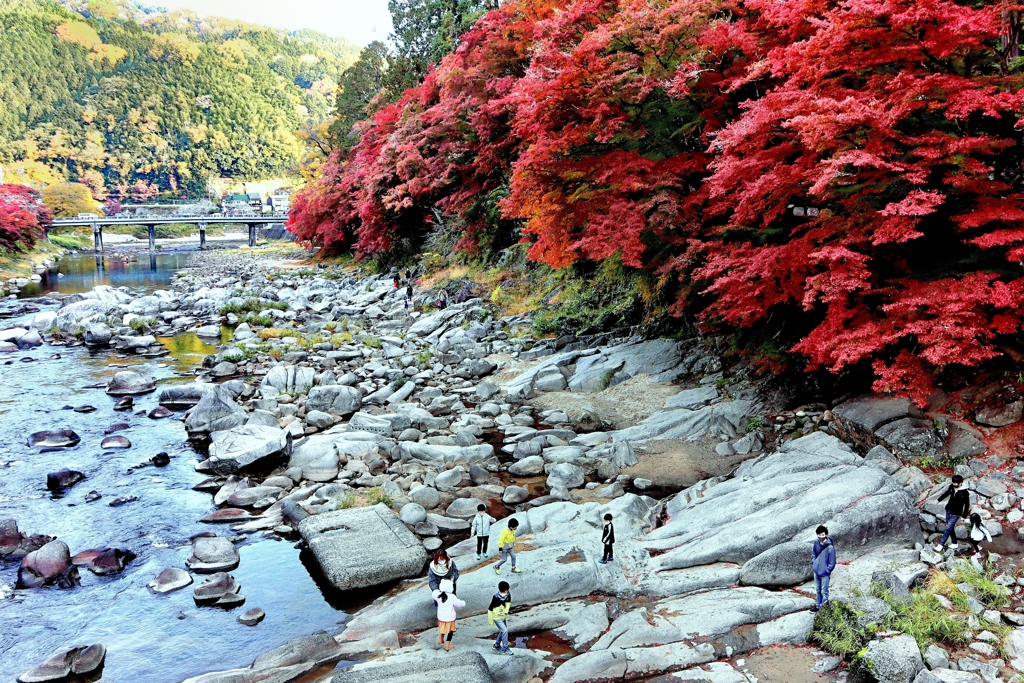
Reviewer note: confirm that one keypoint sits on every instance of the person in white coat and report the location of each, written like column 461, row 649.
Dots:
column 978, row 534
column 447, row 603
column 481, row 528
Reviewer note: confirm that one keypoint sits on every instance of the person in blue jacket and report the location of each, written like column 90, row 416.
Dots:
column 823, row 562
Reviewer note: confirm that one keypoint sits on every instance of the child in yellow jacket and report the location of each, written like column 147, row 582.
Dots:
column 507, row 546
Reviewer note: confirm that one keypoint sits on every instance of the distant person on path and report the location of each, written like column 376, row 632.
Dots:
column 608, row 540
column 442, row 301
column 398, row 277
column 979, row 533
column 442, row 567
column 958, row 506
column 823, row 561
column 507, row 546
column 408, row 274
column 447, row 602
column 497, row 613
column 481, row 528
column 408, row 292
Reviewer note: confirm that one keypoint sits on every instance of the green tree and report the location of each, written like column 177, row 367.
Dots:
column 359, row 85
column 426, row 31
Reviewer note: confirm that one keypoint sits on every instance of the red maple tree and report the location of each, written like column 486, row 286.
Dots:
column 22, row 217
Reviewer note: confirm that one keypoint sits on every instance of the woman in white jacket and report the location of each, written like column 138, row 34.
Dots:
column 447, row 602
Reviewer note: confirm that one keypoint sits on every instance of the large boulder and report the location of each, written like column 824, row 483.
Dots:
column 212, row 554
column 215, row 412
column 78, row 661
column 289, row 379
column 184, row 395
column 764, row 517
column 48, row 566
column 349, row 545
column 335, row 399
column 98, row 334
column 236, row 448
column 441, row 455
column 127, row 382
column 890, row 660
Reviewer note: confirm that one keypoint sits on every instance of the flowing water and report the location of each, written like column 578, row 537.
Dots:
column 150, row 638
column 82, row 272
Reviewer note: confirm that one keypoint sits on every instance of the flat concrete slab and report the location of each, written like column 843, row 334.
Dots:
column 460, row 667
column 362, row 547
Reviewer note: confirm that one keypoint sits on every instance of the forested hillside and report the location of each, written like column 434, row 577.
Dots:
column 837, row 182
column 113, row 95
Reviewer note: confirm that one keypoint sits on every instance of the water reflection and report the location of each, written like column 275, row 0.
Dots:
column 80, row 273
column 187, row 350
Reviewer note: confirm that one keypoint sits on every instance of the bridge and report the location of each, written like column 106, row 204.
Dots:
column 96, row 223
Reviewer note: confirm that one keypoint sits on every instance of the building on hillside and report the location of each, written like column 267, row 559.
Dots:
column 280, row 201
column 255, row 202
column 234, row 203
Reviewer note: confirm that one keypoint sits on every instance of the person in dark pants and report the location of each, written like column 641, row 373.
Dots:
column 823, row 562
column 608, row 540
column 958, row 506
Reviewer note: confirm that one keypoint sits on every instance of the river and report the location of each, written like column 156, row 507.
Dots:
column 150, row 638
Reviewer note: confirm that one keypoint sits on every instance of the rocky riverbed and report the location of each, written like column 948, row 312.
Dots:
column 331, row 416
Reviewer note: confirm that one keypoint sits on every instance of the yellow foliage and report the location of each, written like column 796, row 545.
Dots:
column 82, row 34
column 174, row 47
column 235, row 53
column 79, row 32
column 32, row 173
column 67, row 200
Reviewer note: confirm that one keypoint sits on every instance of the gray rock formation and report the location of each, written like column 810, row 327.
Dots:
column 362, row 547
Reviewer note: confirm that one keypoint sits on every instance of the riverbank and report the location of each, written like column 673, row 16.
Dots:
column 24, row 266
column 326, row 404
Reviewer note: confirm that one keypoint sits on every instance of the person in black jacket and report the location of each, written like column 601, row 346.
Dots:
column 959, row 505
column 608, row 539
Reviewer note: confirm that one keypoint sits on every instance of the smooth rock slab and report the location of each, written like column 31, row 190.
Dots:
column 362, row 547
column 170, row 579
column 59, row 438
column 252, row 617
column 459, row 667
column 212, row 554
column 215, row 588
column 77, row 660
column 115, row 442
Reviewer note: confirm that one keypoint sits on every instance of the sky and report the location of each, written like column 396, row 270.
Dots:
column 361, row 21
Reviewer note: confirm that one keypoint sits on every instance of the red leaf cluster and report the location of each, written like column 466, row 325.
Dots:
column 678, row 135
column 22, row 217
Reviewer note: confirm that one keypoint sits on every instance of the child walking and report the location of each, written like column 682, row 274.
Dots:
column 507, row 546
column 978, row 534
column 957, row 507
column 497, row 614
column 481, row 529
column 447, row 602
column 608, row 539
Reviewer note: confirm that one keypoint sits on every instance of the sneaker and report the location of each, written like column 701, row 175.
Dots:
column 497, row 571
column 507, row 651
column 937, row 548
column 953, row 546
column 516, row 570
column 815, row 608
column 602, row 561
column 494, row 646
column 478, row 557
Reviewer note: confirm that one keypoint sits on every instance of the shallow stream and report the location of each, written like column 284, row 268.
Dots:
column 149, row 638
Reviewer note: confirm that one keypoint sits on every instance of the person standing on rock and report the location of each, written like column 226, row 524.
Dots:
column 447, row 602
column 608, row 540
column 958, row 507
column 823, row 562
column 481, row 529
column 497, row 613
column 979, row 533
column 443, row 567
column 507, row 546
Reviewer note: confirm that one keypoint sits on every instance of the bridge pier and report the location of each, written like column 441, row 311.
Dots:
column 252, row 234
column 152, row 236
column 97, row 236
column 152, row 261
column 202, row 235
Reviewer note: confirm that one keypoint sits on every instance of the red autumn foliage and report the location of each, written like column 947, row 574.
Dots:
column 22, row 217
column 678, row 134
